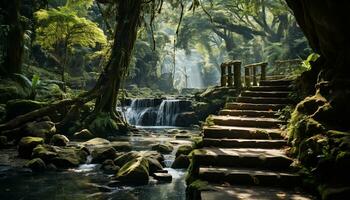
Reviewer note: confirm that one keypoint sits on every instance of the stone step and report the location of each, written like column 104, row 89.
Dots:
column 273, row 159
column 254, row 106
column 276, row 94
column 247, row 121
column 271, row 88
column 237, row 132
column 244, row 143
column 275, row 82
column 263, row 100
column 241, row 192
column 239, row 176
column 249, row 113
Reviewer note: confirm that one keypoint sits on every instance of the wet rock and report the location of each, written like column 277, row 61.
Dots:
column 164, row 177
column 134, row 172
column 96, row 142
column 121, row 146
column 59, row 140
column 36, row 165
column 3, row 141
column 186, row 119
column 182, row 136
column 163, row 148
column 84, row 134
column 109, row 167
column 27, row 144
column 123, row 159
column 154, row 165
column 44, row 152
column 101, row 154
column 44, row 129
column 181, row 162
column 69, row 157
column 173, row 131
column 184, row 150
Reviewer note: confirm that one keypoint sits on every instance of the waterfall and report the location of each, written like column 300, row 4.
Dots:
column 167, row 113
column 141, row 112
column 155, row 112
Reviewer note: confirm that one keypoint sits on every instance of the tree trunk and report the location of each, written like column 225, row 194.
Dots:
column 14, row 41
column 128, row 20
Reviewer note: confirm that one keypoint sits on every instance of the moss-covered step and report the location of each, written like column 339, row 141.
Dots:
column 276, row 94
column 244, row 143
column 271, row 88
column 243, row 176
column 263, row 100
column 252, row 193
column 254, row 106
column 275, row 82
column 237, row 132
column 249, row 113
column 247, row 121
column 272, row 159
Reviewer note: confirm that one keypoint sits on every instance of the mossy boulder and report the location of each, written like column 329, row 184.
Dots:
column 36, row 165
column 44, row 152
column 121, row 146
column 101, row 154
column 135, row 172
column 311, row 104
column 18, row 107
column 312, row 149
column 165, row 148
column 184, row 150
column 109, row 167
column 84, row 134
column 27, row 144
column 69, row 157
column 59, row 140
column 96, row 142
column 181, row 162
column 44, row 129
column 123, row 159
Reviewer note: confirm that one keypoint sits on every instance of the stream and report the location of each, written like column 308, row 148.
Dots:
column 88, row 182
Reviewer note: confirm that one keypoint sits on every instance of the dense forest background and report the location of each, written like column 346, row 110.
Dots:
column 69, row 41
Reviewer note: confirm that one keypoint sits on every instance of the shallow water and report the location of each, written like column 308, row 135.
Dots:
column 88, row 182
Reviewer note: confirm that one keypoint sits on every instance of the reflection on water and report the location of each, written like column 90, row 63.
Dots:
column 87, row 182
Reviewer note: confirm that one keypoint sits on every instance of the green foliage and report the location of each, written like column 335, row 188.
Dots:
column 311, row 58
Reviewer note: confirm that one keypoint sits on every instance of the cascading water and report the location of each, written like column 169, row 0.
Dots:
column 155, row 112
column 167, row 113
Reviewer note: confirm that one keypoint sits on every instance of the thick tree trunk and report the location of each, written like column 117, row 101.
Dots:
column 14, row 41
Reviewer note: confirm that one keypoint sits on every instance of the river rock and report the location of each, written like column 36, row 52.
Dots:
column 3, row 141
column 84, row 134
column 173, row 131
column 44, row 152
column 125, row 158
column 121, row 146
column 186, row 119
column 44, row 129
column 69, row 157
column 27, row 144
column 181, row 162
column 134, row 172
column 36, row 165
column 96, row 142
column 101, row 154
column 164, row 177
column 59, row 140
column 18, row 107
column 163, row 148
column 109, row 167
column 184, row 150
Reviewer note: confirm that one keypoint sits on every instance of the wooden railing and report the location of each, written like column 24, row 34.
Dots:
column 251, row 73
column 231, row 74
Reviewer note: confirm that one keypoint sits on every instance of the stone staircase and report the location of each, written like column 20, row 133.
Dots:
column 242, row 155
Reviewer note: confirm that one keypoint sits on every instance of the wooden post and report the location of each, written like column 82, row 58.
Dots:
column 237, row 74
column 223, row 75
column 263, row 71
column 255, row 82
column 247, row 76
column 229, row 74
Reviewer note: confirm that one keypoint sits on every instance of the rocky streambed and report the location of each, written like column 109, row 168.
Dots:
column 137, row 166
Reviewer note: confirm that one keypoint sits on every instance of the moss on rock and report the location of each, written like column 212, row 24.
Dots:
column 27, row 144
